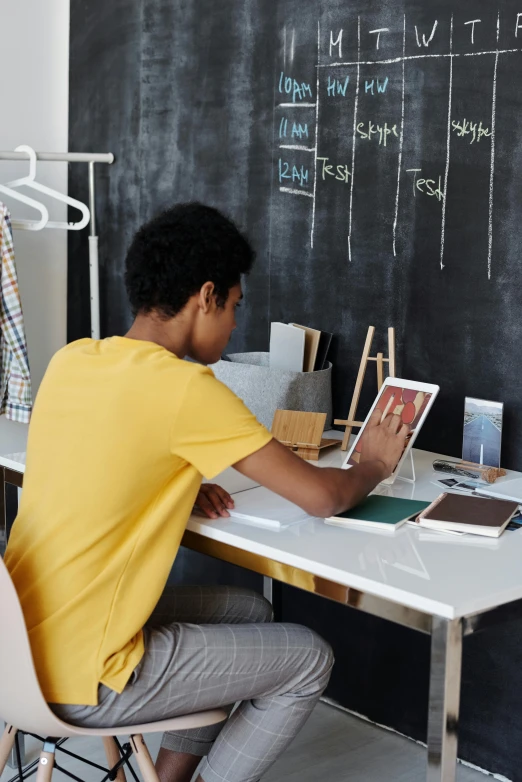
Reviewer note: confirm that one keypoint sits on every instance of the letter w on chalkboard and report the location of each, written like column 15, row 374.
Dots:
column 425, row 41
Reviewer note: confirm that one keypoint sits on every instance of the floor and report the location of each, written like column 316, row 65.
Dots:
column 332, row 746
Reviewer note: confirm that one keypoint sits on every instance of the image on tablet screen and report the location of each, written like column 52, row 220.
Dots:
column 406, row 402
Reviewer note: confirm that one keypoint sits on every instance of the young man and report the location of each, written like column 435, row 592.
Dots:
column 122, row 431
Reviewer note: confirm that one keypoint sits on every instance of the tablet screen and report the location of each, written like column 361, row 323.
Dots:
column 409, row 403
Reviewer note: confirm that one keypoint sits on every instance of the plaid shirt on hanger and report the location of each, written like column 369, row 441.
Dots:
column 15, row 380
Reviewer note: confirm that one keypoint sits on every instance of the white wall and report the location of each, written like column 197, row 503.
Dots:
column 34, row 63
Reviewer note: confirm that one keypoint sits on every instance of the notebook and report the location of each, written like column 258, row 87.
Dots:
column 264, row 508
column 325, row 341
column 287, row 347
column 233, row 481
column 474, row 515
column 387, row 513
column 312, row 338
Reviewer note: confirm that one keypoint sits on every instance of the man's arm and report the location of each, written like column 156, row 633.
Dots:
column 325, row 492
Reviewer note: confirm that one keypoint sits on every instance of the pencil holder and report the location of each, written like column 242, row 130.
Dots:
column 264, row 390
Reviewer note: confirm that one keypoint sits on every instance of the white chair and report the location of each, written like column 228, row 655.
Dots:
column 23, row 707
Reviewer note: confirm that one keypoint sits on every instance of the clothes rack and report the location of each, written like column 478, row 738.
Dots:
column 91, row 159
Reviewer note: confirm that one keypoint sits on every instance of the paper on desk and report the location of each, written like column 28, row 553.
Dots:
column 232, row 481
column 262, row 507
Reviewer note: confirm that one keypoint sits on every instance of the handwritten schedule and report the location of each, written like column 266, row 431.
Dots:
column 347, row 119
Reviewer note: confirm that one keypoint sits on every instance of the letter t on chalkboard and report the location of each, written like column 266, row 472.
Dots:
column 350, row 423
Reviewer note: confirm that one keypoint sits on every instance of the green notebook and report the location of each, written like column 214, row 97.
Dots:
column 388, row 513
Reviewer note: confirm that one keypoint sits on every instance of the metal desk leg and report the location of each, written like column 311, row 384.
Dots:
column 272, row 591
column 268, row 588
column 20, row 738
column 3, row 514
column 443, row 717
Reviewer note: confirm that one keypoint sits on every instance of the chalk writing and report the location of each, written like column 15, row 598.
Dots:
column 293, row 130
column 298, row 90
column 473, row 22
column 377, row 132
column 469, row 128
column 338, row 42
column 340, row 172
column 423, row 39
column 299, row 131
column 336, row 87
column 298, row 174
column 378, row 34
column 370, row 85
column 427, row 187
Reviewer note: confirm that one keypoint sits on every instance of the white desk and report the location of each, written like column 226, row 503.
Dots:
column 437, row 584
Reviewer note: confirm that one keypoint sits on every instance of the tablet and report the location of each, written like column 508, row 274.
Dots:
column 407, row 398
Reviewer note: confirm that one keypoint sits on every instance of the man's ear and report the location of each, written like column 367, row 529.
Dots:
column 206, row 297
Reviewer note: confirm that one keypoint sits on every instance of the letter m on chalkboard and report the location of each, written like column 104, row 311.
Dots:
column 425, row 41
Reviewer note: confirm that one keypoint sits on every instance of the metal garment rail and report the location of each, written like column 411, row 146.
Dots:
column 90, row 158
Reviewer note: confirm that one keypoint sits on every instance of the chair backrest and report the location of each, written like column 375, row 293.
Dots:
column 21, row 701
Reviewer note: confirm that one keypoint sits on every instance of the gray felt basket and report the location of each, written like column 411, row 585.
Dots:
column 264, row 390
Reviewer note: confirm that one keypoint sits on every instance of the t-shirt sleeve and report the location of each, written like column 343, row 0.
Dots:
column 213, row 428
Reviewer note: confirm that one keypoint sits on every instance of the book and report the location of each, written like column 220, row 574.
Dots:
column 325, row 341
column 287, row 347
column 414, row 522
column 312, row 338
column 474, row 515
column 387, row 513
column 264, row 508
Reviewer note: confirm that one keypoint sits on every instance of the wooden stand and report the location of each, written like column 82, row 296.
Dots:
column 302, row 433
column 380, row 360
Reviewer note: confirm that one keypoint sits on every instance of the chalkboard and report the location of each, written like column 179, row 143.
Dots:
column 372, row 152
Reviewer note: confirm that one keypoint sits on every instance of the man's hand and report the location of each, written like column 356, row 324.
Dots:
column 384, row 442
column 213, row 501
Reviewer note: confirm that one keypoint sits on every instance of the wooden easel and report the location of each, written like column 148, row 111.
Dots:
column 380, row 360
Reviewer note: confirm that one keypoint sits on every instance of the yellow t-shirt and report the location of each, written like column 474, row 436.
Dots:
column 121, row 433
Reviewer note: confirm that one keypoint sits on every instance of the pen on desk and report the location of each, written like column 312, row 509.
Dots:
column 386, row 409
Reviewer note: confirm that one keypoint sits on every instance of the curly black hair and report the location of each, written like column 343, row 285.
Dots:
column 173, row 255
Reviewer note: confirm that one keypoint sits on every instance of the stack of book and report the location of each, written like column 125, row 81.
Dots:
column 298, row 348
column 468, row 515
column 451, row 513
column 380, row 512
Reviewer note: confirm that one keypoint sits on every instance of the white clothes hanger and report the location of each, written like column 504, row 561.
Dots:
column 28, row 225
column 29, row 181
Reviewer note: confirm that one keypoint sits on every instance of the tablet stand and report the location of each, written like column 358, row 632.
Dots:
column 302, row 433
column 406, row 478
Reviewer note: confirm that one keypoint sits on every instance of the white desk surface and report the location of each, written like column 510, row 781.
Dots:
column 13, row 444
column 431, row 572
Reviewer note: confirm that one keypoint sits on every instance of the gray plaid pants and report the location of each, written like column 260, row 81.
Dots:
column 207, row 647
